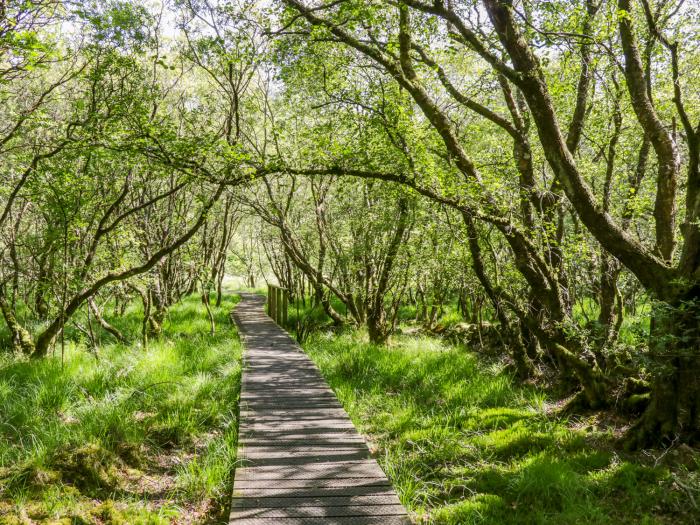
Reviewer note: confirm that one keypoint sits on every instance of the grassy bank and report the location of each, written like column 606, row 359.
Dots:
column 464, row 444
column 119, row 434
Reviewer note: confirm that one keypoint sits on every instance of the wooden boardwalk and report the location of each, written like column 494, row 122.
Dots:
column 303, row 461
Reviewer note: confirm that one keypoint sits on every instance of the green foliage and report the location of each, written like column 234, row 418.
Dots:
column 464, row 444
column 119, row 120
column 116, row 23
column 106, row 422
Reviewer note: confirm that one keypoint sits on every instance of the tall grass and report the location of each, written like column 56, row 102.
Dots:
column 120, row 433
column 465, row 444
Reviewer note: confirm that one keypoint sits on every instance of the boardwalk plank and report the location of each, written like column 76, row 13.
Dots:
column 296, row 484
column 319, row 511
column 323, row 470
column 249, row 502
column 339, row 520
column 302, row 462
column 313, row 492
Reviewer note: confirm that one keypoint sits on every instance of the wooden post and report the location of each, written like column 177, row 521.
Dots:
column 278, row 302
column 278, row 317
column 274, row 294
column 267, row 306
column 284, row 308
column 272, row 299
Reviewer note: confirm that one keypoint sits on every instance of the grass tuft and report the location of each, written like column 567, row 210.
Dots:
column 463, row 443
column 120, row 434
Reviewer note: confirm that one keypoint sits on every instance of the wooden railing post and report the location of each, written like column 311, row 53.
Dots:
column 279, row 307
column 267, row 306
column 272, row 300
column 277, row 304
column 284, row 308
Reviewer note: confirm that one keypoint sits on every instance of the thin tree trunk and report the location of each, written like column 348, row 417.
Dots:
column 103, row 323
column 210, row 314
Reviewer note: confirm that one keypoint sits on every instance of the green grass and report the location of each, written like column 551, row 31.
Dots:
column 464, row 444
column 121, row 434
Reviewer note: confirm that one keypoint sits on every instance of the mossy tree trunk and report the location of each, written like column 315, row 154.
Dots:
column 673, row 412
column 21, row 338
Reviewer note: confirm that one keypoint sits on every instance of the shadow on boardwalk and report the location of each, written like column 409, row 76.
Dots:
column 302, row 460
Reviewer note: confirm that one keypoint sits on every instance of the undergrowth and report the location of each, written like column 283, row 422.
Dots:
column 463, row 443
column 122, row 434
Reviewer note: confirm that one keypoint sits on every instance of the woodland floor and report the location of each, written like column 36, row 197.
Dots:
column 463, row 443
column 119, row 435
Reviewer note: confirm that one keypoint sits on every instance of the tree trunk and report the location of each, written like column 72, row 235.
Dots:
column 376, row 326
column 219, row 289
column 21, row 338
column 41, row 305
column 523, row 366
column 331, row 312
column 609, row 316
column 210, row 314
column 567, row 352
column 45, row 339
column 146, row 323
column 102, row 322
column 673, row 412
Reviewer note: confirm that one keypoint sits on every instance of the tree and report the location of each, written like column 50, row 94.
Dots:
column 389, row 38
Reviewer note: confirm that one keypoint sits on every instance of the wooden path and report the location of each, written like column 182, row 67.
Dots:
column 303, row 461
